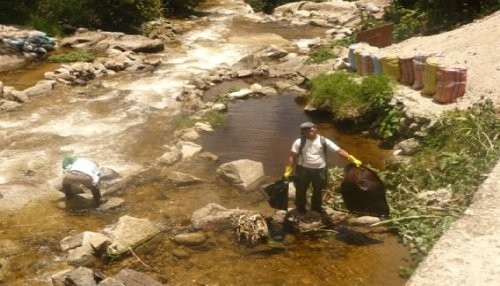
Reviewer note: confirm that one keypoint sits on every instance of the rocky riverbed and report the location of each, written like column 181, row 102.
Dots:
column 467, row 46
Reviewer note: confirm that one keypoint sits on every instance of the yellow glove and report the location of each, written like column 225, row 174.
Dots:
column 288, row 172
column 354, row 160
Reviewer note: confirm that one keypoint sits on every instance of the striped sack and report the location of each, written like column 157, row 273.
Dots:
column 366, row 64
column 351, row 58
column 406, row 70
column 450, row 84
column 357, row 59
column 418, row 72
column 390, row 66
column 377, row 65
column 429, row 77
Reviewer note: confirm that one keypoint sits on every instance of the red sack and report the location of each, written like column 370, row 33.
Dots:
column 450, row 84
column 406, row 70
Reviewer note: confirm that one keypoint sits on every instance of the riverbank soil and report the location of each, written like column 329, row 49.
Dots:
column 467, row 254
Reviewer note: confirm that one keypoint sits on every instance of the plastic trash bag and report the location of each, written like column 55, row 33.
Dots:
column 277, row 194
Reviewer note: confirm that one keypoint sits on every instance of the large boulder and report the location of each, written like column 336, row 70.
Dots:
column 245, row 174
column 129, row 232
column 213, row 214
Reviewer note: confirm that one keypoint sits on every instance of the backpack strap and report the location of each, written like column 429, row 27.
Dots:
column 303, row 142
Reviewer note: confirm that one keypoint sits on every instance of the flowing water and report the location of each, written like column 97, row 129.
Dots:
column 124, row 121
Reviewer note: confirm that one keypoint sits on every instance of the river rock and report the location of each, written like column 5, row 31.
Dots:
column 80, row 276
column 213, row 214
column 8, row 105
column 363, row 220
column 243, row 174
column 181, row 252
column 190, row 239
column 10, row 62
column 189, row 149
column 83, row 248
column 135, row 278
column 171, row 157
column 40, row 87
column 129, row 232
column 182, row 179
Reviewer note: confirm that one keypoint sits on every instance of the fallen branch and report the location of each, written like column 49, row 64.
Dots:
column 403, row 218
column 137, row 257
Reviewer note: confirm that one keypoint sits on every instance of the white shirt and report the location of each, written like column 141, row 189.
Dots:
column 312, row 155
column 88, row 167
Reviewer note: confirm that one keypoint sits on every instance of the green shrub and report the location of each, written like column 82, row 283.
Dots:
column 180, row 7
column 378, row 91
column 116, row 15
column 214, row 118
column 183, row 121
column 347, row 98
column 390, row 126
column 460, row 148
column 74, row 56
column 16, row 12
column 321, row 54
column 46, row 25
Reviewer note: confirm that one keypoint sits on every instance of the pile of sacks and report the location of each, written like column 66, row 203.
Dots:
column 426, row 73
column 29, row 43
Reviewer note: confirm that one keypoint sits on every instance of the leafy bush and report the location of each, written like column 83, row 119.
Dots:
column 428, row 17
column 179, row 7
column 459, row 150
column 321, row 54
column 378, row 90
column 348, row 98
column 116, row 15
column 214, row 118
column 16, row 12
column 390, row 126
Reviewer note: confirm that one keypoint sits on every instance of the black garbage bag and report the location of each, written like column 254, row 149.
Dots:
column 277, row 194
column 363, row 191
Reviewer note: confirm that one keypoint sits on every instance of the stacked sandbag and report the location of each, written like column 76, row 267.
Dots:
column 450, row 84
column 354, row 57
column 428, row 73
column 390, row 65
column 418, row 71
column 367, row 54
column 377, row 64
column 429, row 76
column 406, row 69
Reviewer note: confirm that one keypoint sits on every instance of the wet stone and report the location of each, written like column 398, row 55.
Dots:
column 181, row 253
column 191, row 239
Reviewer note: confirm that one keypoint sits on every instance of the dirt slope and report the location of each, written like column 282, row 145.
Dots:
column 474, row 46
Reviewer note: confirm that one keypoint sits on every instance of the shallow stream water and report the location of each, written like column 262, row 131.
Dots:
column 124, row 122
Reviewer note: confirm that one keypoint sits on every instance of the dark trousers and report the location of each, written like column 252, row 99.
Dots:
column 304, row 178
column 75, row 177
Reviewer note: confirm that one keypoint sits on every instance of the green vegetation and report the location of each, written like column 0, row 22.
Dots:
column 461, row 147
column 349, row 98
column 325, row 52
column 321, row 54
column 213, row 117
column 183, row 121
column 74, row 56
column 118, row 15
column 429, row 17
column 391, row 125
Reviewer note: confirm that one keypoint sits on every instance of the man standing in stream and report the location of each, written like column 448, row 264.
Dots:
column 308, row 158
